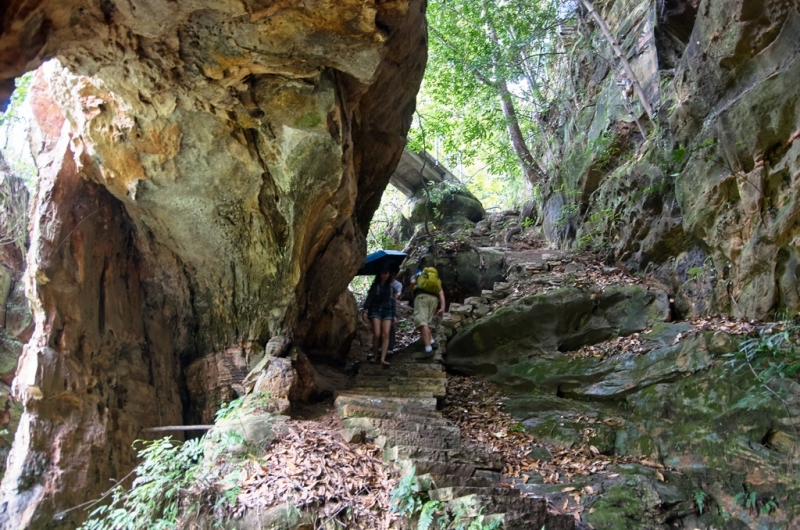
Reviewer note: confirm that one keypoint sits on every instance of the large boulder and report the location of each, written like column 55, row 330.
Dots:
column 681, row 405
column 546, row 323
column 445, row 203
column 208, row 174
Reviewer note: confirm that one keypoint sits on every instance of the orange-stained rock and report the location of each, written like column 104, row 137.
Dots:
column 213, row 183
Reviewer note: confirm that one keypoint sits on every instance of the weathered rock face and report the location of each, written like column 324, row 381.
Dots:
column 675, row 399
column 16, row 324
column 501, row 345
column 208, row 172
column 679, row 405
column 714, row 186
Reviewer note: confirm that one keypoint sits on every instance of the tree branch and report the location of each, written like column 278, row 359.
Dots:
column 637, row 87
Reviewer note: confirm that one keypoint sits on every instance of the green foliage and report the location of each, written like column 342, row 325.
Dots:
column 445, row 192
column 427, row 514
column 770, row 358
column 700, row 498
column 154, row 499
column 604, row 149
column 475, row 49
column 768, row 506
column 746, row 498
column 230, row 489
column 517, row 427
column 679, row 154
column 528, row 222
column 410, row 500
column 694, row 273
column 15, row 151
column 599, row 228
column 380, row 241
column 22, row 85
column 407, row 498
column 231, row 409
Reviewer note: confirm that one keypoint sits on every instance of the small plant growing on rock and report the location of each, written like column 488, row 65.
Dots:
column 167, row 468
column 229, row 410
column 771, row 357
column 700, row 497
column 517, row 427
column 411, row 500
column 768, row 506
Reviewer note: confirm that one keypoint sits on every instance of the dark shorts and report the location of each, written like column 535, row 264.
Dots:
column 385, row 314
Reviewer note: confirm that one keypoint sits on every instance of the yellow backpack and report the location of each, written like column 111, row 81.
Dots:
column 428, row 281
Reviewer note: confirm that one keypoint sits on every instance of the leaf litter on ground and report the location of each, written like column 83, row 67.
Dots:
column 310, row 467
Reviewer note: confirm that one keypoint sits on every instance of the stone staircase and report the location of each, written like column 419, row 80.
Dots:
column 396, row 408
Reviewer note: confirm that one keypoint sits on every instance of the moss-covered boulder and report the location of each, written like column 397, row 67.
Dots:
column 684, row 405
column 542, row 324
column 444, row 202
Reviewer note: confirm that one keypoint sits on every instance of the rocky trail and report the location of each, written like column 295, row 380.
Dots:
column 578, row 449
column 396, row 408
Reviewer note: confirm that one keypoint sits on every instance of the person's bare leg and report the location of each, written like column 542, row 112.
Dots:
column 376, row 336
column 386, row 326
column 425, row 331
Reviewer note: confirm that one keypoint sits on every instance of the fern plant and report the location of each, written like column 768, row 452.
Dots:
column 770, row 358
column 700, row 497
column 407, row 497
column 409, row 500
column 154, row 500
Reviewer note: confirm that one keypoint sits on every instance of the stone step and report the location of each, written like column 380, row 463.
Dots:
column 368, row 387
column 377, row 380
column 390, row 393
column 436, row 468
column 453, row 492
column 520, row 512
column 421, row 415
column 390, row 403
column 429, row 481
column 405, row 438
column 452, row 439
column 515, row 520
column 397, row 392
column 481, row 459
column 387, row 426
column 410, row 371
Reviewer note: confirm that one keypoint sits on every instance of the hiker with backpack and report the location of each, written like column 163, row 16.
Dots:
column 380, row 309
column 428, row 302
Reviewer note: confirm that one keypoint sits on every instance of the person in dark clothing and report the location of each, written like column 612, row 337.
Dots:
column 398, row 290
column 380, row 309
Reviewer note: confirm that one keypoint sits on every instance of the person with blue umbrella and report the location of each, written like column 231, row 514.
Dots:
column 380, row 309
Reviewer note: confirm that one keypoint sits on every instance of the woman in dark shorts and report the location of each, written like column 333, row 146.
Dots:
column 379, row 307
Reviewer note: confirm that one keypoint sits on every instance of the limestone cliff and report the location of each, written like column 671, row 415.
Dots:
column 707, row 198
column 15, row 318
column 207, row 173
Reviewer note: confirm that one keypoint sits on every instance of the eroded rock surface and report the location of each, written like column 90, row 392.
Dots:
column 16, row 324
column 709, row 199
column 208, row 173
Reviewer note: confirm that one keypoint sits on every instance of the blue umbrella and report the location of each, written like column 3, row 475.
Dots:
column 391, row 259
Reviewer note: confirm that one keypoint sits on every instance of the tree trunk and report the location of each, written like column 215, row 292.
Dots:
column 637, row 87
column 533, row 173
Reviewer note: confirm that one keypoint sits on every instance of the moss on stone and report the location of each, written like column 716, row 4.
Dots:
column 309, row 120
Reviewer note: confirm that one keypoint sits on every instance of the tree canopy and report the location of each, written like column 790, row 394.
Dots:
column 486, row 84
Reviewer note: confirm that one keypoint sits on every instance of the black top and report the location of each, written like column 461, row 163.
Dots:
column 380, row 298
